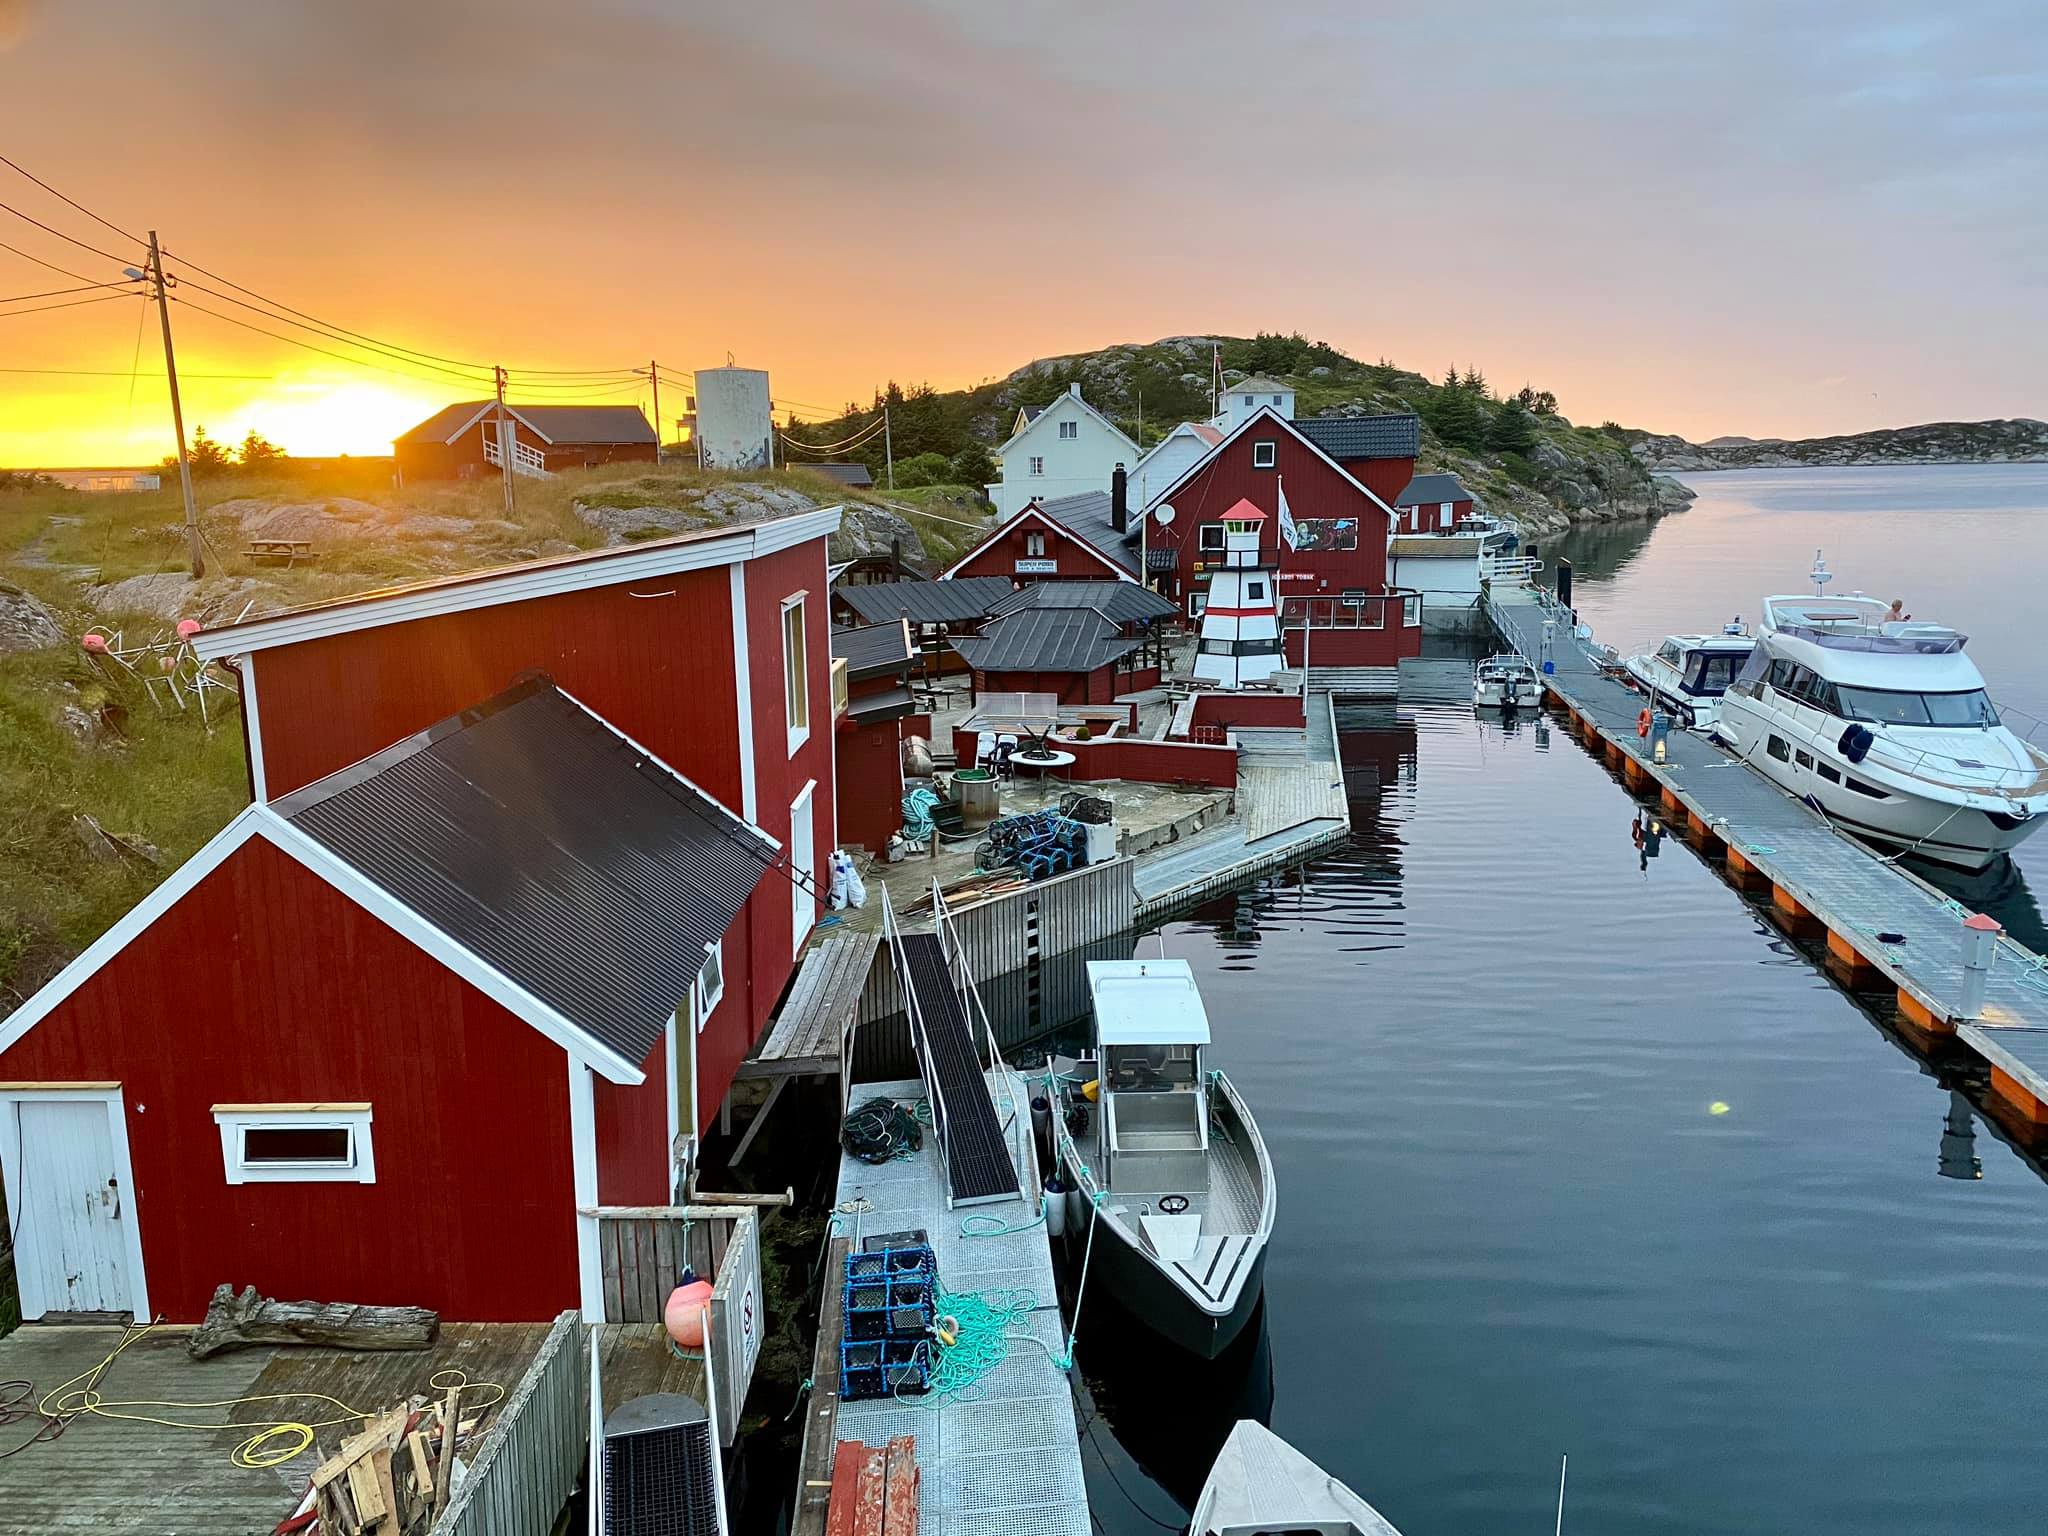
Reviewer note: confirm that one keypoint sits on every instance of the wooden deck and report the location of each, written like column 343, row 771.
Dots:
column 823, row 999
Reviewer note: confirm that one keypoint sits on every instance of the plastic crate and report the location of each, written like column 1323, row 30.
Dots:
column 860, row 1372
column 867, row 1308
column 917, row 1237
column 906, row 1367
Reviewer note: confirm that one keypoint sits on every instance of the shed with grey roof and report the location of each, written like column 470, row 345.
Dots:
column 958, row 600
column 1046, row 640
column 1121, row 602
column 1432, row 490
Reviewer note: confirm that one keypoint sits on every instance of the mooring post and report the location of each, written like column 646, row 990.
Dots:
column 1980, row 948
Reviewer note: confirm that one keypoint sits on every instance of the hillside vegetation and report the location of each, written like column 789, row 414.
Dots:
column 2016, row 441
column 1522, row 458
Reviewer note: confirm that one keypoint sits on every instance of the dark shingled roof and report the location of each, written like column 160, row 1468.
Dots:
column 548, row 846
column 1430, row 490
column 556, row 423
column 1121, row 602
column 873, row 648
column 1364, row 437
column 853, row 475
column 1086, row 515
column 1045, row 640
column 959, row 601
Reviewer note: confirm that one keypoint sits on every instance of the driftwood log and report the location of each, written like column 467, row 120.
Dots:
column 235, row 1322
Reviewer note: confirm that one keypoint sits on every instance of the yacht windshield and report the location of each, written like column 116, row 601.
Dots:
column 1895, row 708
column 1714, row 671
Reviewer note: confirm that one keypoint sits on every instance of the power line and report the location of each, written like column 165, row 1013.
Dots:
column 117, row 229
column 105, row 298
column 24, row 255
column 334, row 333
column 308, row 346
column 51, row 293
column 71, row 239
column 124, row 373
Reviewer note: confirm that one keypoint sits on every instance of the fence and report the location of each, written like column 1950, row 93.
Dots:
column 521, row 1480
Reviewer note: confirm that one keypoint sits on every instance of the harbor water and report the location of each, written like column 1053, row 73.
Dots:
column 1577, row 1154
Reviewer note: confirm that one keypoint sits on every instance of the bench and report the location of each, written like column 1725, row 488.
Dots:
column 290, row 551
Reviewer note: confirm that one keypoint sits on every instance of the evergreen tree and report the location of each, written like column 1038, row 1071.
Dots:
column 1513, row 429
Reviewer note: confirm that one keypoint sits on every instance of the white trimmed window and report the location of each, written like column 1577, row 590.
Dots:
column 1411, row 610
column 796, row 672
column 1070, row 429
column 1037, row 465
column 1265, row 455
column 709, row 986
column 296, row 1143
column 1034, row 546
column 1210, row 537
column 1197, row 602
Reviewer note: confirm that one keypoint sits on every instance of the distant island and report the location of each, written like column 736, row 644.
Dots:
column 2017, row 441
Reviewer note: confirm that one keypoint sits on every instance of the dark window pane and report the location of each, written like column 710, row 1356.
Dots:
column 296, row 1144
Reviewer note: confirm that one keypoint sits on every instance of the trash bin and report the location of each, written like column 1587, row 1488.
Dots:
column 979, row 797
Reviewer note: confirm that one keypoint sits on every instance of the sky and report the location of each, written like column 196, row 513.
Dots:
column 1783, row 219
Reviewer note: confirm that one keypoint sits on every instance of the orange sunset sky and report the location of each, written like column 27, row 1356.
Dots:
column 1712, row 218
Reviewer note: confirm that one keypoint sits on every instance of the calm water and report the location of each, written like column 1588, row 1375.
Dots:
column 1483, row 1042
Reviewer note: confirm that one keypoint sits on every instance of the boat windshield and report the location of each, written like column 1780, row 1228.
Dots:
column 1150, row 1068
column 1893, row 707
column 1714, row 671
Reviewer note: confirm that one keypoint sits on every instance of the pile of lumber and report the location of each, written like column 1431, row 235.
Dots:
column 394, row 1477
column 874, row 1489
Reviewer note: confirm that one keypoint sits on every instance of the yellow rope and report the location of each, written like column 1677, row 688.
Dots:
column 70, row 1400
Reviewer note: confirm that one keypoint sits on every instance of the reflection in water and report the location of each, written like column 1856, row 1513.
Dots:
column 1959, row 1158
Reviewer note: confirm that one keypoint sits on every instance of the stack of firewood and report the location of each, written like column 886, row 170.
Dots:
column 394, row 1477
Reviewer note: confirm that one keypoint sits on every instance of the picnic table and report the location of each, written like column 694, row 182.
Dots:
column 290, row 551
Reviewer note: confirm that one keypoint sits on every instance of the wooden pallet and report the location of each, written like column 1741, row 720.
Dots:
column 874, row 1490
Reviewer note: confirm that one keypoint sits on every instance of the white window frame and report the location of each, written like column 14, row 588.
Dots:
column 1255, row 591
column 234, row 1119
column 1265, row 455
column 1034, row 545
column 1070, row 431
column 1197, row 601
column 1411, row 611
column 1202, row 543
column 1037, row 465
column 799, row 733
column 1250, row 399
column 705, row 996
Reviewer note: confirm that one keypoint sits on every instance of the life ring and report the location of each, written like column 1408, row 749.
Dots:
column 1643, row 723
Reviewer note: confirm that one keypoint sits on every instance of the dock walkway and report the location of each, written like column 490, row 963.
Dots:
column 1817, row 875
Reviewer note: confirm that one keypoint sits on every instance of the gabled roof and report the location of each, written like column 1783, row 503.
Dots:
column 872, row 649
column 1121, row 602
column 1264, row 413
column 1244, row 510
column 1084, row 518
column 1027, row 422
column 519, row 582
column 959, row 600
column 526, row 845
column 853, row 476
column 550, row 423
column 1430, row 490
column 1259, row 384
column 1365, row 437
column 555, row 850
column 1045, row 640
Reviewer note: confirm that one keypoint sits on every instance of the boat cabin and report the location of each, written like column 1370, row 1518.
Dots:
column 1151, row 1033
column 1705, row 666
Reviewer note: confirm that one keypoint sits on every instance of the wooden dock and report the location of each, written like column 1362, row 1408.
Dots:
column 1883, row 927
column 823, row 1000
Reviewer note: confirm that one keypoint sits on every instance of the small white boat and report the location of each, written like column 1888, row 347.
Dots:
column 1262, row 1486
column 1506, row 682
column 1169, row 1158
column 1688, row 674
column 1884, row 725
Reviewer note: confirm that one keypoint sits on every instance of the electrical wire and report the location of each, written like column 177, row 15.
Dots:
column 25, row 256
column 466, row 372
column 859, row 437
column 117, row 229
column 124, row 373
column 324, row 352
column 52, row 293
column 43, row 309
column 69, row 239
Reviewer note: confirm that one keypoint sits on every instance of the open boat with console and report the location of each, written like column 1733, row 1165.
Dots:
column 1506, row 682
column 1168, row 1156
column 1884, row 724
column 1688, row 674
column 1262, row 1486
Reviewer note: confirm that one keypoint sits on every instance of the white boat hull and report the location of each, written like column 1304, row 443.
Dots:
column 1261, row 1484
column 1693, row 712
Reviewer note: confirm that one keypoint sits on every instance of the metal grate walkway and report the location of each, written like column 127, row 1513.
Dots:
column 978, row 1162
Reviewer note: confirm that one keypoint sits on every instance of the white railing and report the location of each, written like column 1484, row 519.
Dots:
column 920, row 1042
column 1516, row 570
column 530, row 462
column 970, row 995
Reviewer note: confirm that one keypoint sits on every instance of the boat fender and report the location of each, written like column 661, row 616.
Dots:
column 1643, row 723
column 1856, row 743
column 1054, row 1204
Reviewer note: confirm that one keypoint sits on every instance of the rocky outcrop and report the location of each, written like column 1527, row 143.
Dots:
column 25, row 624
column 2010, row 441
column 864, row 529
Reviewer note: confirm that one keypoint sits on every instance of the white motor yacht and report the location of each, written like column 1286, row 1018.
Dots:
column 1884, row 725
column 1688, row 674
column 1506, row 682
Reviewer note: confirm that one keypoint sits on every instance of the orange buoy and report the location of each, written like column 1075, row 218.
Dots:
column 1643, row 723
column 684, row 1314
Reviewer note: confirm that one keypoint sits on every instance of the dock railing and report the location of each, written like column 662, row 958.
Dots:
column 913, row 1011
column 970, row 997
column 527, row 1468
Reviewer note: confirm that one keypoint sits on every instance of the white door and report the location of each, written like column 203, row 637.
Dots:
column 802, row 868
column 67, row 1192
column 1443, row 514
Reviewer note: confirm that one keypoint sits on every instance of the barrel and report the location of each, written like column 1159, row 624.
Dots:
column 979, row 797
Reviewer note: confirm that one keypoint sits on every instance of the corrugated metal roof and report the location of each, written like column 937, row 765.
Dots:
column 1087, row 516
column 1364, row 437
column 873, row 647
column 889, row 703
column 958, row 601
column 854, row 475
column 551, row 848
column 1428, row 490
column 1121, row 602
column 556, row 423
column 1045, row 640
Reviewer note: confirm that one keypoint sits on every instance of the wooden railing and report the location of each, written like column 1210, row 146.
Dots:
column 523, row 1476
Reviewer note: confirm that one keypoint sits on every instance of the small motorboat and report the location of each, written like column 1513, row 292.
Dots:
column 1169, row 1158
column 1687, row 674
column 1262, row 1486
column 1506, row 682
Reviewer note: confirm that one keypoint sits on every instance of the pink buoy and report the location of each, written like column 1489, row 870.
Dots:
column 167, row 663
column 187, row 628
column 684, row 1314
column 97, row 644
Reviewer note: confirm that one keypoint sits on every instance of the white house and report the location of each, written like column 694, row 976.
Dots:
column 1063, row 450
column 1257, row 393
column 1168, row 459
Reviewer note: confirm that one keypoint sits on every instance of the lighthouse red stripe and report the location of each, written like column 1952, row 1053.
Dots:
column 1239, row 613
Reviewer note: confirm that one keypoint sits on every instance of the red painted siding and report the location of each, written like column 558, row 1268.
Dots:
column 1074, row 558
column 1385, row 478
column 264, row 985
column 634, row 1160
column 1357, row 647
column 464, row 458
column 870, row 775
column 1233, row 709
column 1129, row 757
column 1427, row 518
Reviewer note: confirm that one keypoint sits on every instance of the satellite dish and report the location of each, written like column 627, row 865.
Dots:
column 1163, row 514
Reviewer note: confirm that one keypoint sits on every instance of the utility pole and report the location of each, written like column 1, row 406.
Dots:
column 163, row 309
column 654, row 373
column 888, row 446
column 504, row 442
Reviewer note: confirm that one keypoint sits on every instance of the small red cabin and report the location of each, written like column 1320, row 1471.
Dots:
column 463, row 440
column 1433, row 504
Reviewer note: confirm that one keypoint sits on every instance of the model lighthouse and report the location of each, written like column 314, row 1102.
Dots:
column 1240, row 641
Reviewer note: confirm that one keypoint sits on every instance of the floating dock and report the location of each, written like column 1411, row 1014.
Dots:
column 1882, row 926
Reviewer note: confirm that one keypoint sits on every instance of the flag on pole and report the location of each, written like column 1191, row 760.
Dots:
column 1288, row 530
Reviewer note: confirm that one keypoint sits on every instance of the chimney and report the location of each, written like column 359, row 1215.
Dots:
column 1074, row 389
column 1120, row 500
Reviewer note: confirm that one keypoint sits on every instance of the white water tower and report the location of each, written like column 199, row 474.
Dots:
column 735, row 425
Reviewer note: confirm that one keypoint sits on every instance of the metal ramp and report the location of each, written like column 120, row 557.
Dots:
column 937, row 991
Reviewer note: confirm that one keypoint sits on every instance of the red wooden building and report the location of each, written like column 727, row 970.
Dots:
column 1433, row 504
column 878, row 714
column 462, row 440
column 1079, row 655
column 1376, row 451
column 1332, row 581
column 1038, row 544
column 528, row 861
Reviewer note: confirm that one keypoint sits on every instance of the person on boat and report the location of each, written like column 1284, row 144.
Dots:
column 1896, row 614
